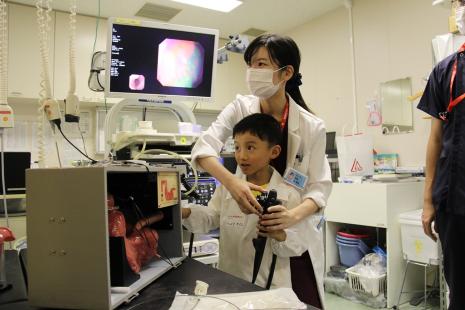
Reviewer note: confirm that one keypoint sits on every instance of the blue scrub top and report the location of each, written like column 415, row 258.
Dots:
column 449, row 182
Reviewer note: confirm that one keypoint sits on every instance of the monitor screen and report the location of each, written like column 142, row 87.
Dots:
column 160, row 61
column 16, row 164
column 331, row 150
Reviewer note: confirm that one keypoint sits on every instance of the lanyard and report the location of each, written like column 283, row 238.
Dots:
column 453, row 102
column 286, row 113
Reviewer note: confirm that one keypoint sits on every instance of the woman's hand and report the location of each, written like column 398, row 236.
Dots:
column 241, row 192
column 278, row 218
column 427, row 218
column 239, row 189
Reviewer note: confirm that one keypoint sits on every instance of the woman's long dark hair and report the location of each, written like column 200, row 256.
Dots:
column 284, row 52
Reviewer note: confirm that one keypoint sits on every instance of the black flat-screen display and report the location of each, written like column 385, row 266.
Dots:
column 150, row 60
column 16, row 164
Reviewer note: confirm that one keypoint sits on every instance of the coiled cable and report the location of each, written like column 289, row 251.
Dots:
column 43, row 20
column 3, row 53
column 72, row 48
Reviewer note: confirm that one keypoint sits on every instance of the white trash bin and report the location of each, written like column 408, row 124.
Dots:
column 417, row 246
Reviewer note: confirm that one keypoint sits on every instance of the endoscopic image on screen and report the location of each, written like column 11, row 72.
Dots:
column 180, row 63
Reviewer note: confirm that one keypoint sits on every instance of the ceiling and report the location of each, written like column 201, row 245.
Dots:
column 276, row 16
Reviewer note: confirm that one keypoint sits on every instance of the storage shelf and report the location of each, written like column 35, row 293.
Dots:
column 374, row 205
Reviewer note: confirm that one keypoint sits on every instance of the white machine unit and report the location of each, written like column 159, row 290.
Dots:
column 204, row 245
column 70, row 262
column 124, row 139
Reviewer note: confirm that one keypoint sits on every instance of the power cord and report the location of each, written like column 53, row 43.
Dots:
column 57, row 122
column 58, row 152
column 97, row 21
column 95, row 71
column 82, row 137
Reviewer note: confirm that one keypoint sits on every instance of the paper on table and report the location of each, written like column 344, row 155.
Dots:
column 281, row 298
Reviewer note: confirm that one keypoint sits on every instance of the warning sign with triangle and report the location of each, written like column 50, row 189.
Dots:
column 356, row 167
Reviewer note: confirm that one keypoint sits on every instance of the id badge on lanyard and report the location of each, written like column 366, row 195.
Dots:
column 453, row 102
column 295, row 178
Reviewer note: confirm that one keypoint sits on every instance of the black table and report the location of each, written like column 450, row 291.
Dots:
column 14, row 276
column 158, row 295
column 182, row 279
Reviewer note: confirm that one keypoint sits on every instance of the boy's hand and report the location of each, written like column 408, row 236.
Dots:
column 185, row 212
column 278, row 235
column 278, row 218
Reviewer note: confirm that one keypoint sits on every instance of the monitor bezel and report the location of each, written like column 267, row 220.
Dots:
column 159, row 25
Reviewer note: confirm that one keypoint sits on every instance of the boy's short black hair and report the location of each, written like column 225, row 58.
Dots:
column 264, row 126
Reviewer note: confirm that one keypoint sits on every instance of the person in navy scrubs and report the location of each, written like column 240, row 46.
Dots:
column 444, row 196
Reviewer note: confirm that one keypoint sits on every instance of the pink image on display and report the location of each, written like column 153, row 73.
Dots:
column 180, row 63
column 136, row 82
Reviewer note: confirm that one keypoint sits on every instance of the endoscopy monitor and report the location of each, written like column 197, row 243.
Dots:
column 160, row 61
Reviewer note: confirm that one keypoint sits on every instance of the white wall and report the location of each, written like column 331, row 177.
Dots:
column 326, row 68
column 230, row 80
column 392, row 40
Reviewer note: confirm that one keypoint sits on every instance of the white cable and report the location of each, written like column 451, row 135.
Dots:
column 57, row 149
column 40, row 136
column 142, row 150
column 43, row 19
column 348, row 4
column 82, row 137
column 5, row 209
column 72, row 48
column 175, row 155
column 3, row 53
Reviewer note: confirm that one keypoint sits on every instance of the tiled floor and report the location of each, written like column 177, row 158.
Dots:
column 334, row 302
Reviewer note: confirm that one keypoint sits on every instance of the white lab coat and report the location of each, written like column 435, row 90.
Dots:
column 305, row 153
column 236, row 253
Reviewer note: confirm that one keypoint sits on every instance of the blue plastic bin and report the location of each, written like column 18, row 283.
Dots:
column 349, row 241
column 351, row 254
column 363, row 247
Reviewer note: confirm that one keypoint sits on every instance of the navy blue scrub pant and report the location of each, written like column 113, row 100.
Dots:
column 451, row 230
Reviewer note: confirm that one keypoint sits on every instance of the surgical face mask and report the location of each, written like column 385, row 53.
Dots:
column 260, row 82
column 460, row 19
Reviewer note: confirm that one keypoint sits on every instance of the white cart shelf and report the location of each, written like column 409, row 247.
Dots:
column 375, row 205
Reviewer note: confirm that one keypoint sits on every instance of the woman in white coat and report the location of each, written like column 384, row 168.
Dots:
column 273, row 78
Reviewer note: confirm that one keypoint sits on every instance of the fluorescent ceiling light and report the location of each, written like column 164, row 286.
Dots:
column 217, row 5
column 443, row 3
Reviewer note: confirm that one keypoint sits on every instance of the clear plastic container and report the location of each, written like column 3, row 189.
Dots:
column 417, row 246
